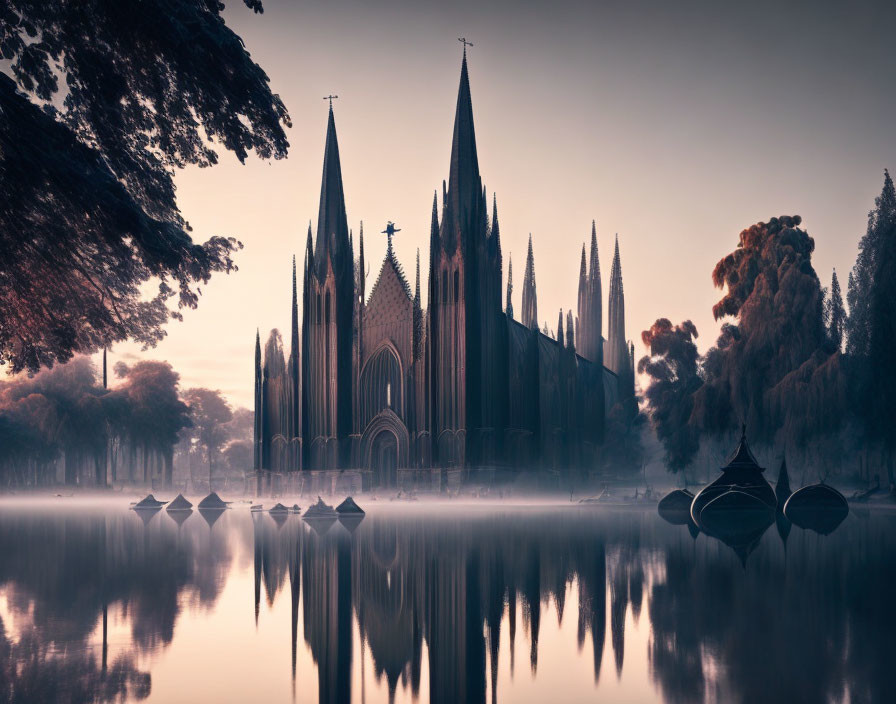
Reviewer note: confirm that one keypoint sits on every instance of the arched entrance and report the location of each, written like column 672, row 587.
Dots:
column 384, row 448
column 384, row 458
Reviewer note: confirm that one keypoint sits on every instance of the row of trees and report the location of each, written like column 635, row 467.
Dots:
column 64, row 425
column 808, row 379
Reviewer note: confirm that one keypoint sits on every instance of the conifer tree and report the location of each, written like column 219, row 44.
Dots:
column 835, row 314
column 871, row 329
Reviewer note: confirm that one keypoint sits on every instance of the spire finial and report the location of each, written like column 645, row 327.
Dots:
column 389, row 231
column 331, row 98
column 463, row 40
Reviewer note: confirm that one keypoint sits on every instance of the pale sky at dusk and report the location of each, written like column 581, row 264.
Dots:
column 674, row 124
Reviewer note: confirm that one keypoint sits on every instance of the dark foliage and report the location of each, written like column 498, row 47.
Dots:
column 88, row 213
column 64, row 413
column 773, row 370
column 871, row 328
column 672, row 365
column 210, row 413
column 835, row 314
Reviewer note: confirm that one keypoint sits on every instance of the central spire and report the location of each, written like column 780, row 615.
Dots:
column 464, row 183
column 332, row 225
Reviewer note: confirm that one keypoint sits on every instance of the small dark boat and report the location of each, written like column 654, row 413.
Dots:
column 349, row 507
column 320, row 510
column 782, row 488
column 817, row 507
column 214, row 502
column 675, row 507
column 148, row 503
column 742, row 481
column 256, row 508
column 180, row 504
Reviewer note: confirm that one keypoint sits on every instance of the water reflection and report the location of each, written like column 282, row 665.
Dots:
column 430, row 604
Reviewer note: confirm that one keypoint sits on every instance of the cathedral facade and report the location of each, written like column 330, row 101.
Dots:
column 373, row 382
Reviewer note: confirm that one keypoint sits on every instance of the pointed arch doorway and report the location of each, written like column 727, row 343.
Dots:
column 384, row 448
column 384, row 459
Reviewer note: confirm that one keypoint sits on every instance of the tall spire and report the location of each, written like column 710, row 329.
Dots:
column 595, row 302
column 418, row 314
column 589, row 333
column 617, row 347
column 294, row 338
column 560, row 335
column 530, row 301
column 509, row 305
column 464, row 183
column 570, row 335
column 434, row 225
column 362, row 274
column 332, row 225
column 496, row 230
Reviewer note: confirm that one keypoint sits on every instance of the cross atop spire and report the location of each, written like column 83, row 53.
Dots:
column 388, row 232
column 463, row 40
column 331, row 98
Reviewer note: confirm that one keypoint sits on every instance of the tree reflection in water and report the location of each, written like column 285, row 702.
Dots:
column 430, row 591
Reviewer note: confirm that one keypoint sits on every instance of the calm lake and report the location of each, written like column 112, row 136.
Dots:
column 440, row 603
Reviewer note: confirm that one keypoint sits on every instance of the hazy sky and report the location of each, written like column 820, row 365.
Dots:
column 675, row 125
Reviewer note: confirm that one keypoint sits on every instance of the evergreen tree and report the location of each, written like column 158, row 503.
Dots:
column 871, row 328
column 835, row 314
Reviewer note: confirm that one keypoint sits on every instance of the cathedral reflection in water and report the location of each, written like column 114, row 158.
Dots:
column 449, row 606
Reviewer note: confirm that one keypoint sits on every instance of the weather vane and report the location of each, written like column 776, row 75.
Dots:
column 389, row 231
column 331, row 98
column 463, row 40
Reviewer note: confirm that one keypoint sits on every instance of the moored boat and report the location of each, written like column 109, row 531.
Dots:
column 349, row 507
column 180, row 504
column 818, row 507
column 148, row 503
column 320, row 510
column 675, row 507
column 741, row 487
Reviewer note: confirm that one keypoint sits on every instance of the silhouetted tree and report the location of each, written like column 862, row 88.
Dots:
column 672, row 365
column 210, row 412
column 89, row 214
column 871, row 327
column 834, row 313
column 772, row 369
column 154, row 412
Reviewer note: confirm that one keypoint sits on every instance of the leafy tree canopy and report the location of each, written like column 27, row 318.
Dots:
column 104, row 101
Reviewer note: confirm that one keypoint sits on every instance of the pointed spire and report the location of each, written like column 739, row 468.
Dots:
column 495, row 230
column 294, row 338
column 417, row 281
column 617, row 346
column 595, row 332
column 570, row 336
column 309, row 250
column 332, row 225
column 463, row 202
column 530, row 300
column 418, row 314
column 509, row 304
column 560, row 335
column 434, row 225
